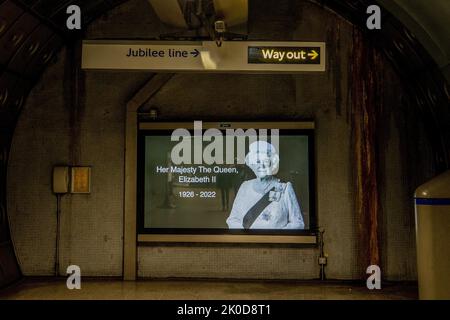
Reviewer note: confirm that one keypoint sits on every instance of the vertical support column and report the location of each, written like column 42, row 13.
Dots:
column 130, row 205
column 129, row 223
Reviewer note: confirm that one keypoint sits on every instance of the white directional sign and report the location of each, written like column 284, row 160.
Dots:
column 206, row 56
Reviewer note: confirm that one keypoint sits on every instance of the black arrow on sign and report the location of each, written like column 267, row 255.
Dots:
column 195, row 53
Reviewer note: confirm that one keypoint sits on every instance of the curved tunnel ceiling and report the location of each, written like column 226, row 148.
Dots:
column 429, row 21
column 33, row 31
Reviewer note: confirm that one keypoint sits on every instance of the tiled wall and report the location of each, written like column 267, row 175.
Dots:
column 52, row 130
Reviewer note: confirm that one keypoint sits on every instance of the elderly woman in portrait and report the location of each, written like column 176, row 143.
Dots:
column 265, row 202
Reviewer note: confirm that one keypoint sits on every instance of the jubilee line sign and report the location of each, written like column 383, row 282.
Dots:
column 205, row 56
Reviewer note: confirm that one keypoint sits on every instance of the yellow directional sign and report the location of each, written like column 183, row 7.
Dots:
column 284, row 55
column 204, row 56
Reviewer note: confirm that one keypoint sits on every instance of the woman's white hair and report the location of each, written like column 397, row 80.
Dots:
column 265, row 148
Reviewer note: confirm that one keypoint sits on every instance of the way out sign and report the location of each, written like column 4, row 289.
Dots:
column 284, row 55
column 206, row 56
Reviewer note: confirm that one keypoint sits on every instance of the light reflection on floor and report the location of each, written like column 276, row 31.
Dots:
column 93, row 289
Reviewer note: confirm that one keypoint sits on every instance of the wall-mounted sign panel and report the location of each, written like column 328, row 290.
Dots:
column 81, row 180
column 206, row 56
column 284, row 55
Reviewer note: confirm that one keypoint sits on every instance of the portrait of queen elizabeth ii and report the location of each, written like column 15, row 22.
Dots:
column 265, row 202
